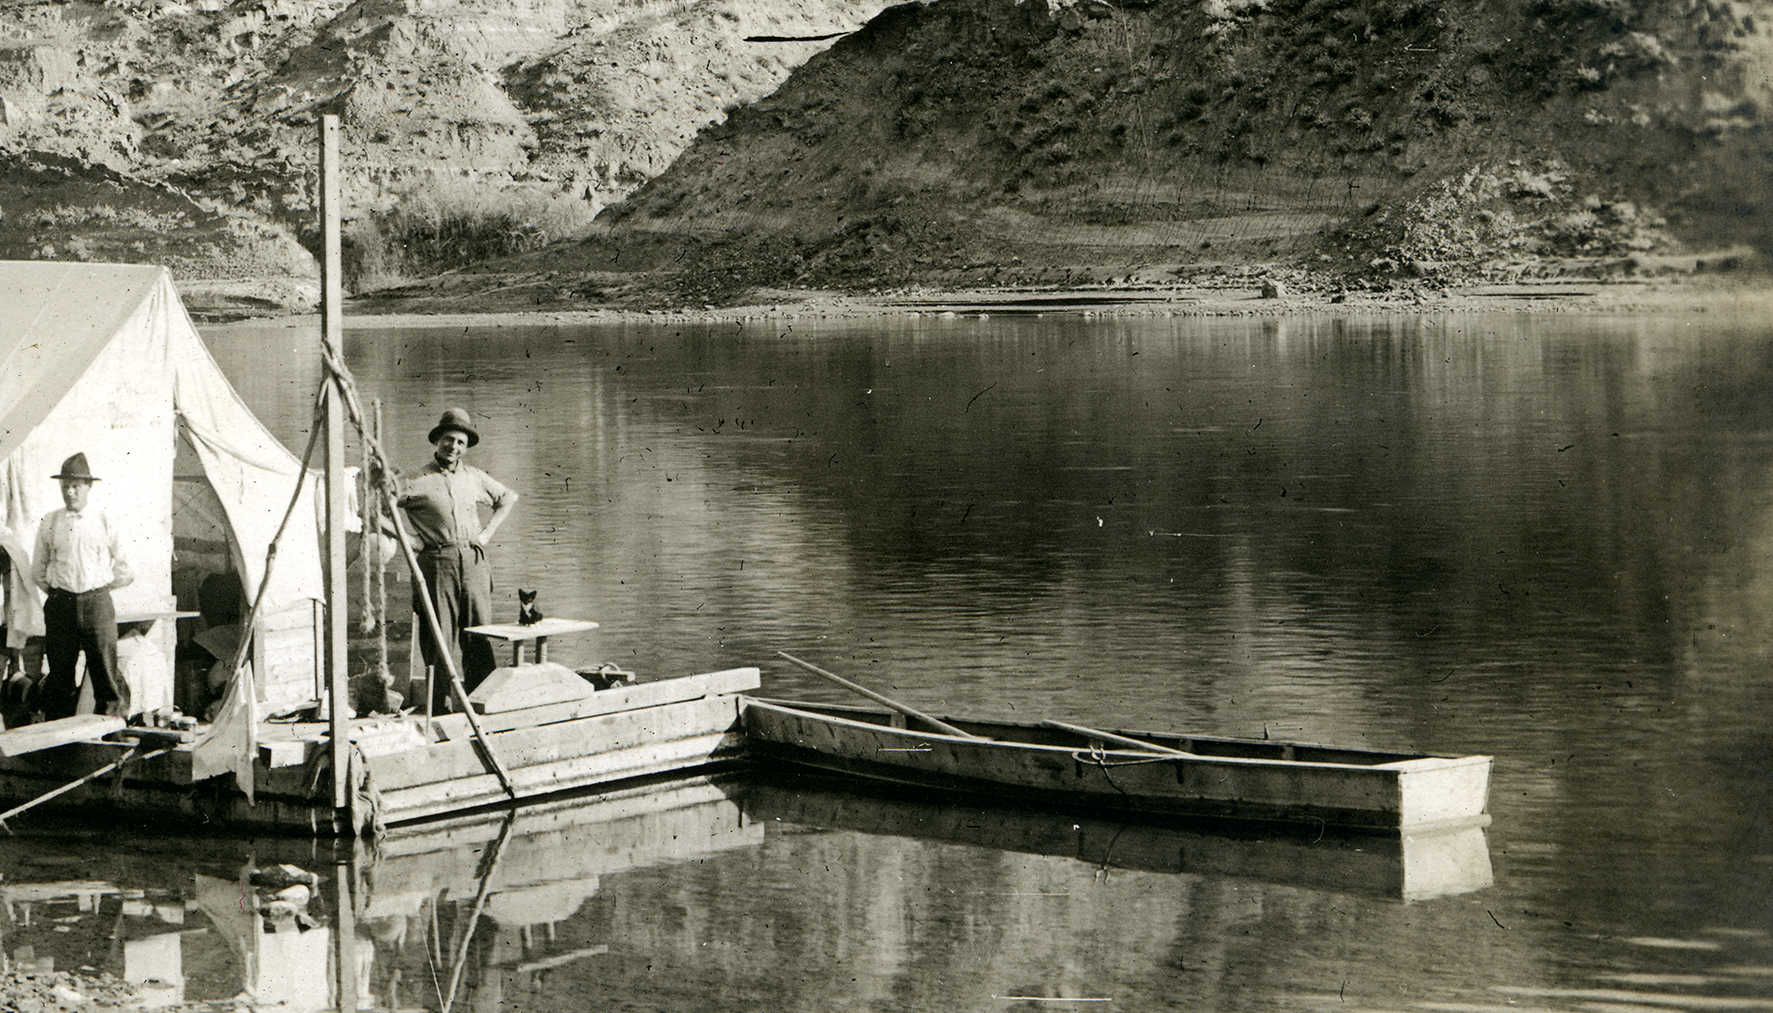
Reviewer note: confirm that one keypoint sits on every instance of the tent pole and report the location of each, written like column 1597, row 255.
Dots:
column 332, row 332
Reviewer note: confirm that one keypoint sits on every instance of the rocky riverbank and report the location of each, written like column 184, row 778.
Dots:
column 62, row 992
column 1717, row 297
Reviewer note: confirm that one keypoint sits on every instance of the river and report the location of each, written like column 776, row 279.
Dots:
column 1547, row 538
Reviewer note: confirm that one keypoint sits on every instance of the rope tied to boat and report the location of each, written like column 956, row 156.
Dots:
column 1097, row 756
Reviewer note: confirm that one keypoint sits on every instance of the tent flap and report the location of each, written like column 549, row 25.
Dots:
column 103, row 360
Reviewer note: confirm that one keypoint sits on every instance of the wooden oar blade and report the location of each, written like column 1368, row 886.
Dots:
column 910, row 712
column 1111, row 737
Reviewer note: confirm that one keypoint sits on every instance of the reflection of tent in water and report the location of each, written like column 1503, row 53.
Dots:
column 441, row 911
column 103, row 360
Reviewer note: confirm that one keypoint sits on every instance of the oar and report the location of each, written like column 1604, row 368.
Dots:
column 132, row 754
column 939, row 725
column 489, row 864
column 1122, row 740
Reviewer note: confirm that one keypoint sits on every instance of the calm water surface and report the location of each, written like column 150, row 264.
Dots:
column 1548, row 539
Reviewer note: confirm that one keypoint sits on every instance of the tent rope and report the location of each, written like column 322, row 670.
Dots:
column 258, row 598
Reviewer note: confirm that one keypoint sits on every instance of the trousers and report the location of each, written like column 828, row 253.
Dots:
column 76, row 623
column 461, row 590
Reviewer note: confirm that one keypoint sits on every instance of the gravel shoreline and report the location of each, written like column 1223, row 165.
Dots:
column 59, row 991
column 1718, row 296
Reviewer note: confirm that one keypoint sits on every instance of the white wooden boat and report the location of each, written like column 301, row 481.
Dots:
column 1170, row 774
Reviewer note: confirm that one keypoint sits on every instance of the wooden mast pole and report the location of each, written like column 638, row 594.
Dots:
column 332, row 328
column 332, row 336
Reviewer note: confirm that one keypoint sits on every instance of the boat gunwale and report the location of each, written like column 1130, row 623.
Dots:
column 1407, row 763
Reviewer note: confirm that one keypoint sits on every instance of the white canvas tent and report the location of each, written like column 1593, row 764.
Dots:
column 103, row 360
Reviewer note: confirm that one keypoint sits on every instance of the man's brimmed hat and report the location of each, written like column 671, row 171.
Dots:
column 457, row 419
column 75, row 467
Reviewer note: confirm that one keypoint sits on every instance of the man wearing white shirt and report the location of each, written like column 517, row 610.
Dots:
column 78, row 562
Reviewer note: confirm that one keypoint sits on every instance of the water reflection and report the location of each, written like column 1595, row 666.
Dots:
column 1406, row 867
column 467, row 913
column 1544, row 538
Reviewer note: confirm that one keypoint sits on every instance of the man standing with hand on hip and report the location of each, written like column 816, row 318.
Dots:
column 78, row 563
column 443, row 503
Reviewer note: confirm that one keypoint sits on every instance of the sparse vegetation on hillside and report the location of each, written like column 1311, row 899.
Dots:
column 947, row 142
column 1350, row 136
column 473, row 128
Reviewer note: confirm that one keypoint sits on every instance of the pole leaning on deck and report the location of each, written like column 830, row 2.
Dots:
column 332, row 331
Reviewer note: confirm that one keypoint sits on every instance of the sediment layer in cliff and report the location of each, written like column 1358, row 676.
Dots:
column 184, row 133
column 583, row 153
column 1336, row 142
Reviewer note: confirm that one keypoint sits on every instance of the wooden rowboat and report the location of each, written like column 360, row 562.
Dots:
column 1063, row 767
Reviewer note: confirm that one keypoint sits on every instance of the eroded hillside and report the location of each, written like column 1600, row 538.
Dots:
column 1338, row 142
column 726, row 147
column 184, row 133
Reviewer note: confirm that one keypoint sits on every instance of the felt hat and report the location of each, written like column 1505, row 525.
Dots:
column 75, row 467
column 457, row 419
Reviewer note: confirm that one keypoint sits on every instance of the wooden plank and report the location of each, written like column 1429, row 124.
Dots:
column 527, row 747
column 181, row 808
column 1444, row 792
column 332, row 337
column 610, row 701
column 168, row 773
column 82, row 781
column 283, row 753
column 682, row 755
column 290, row 644
column 522, row 687
column 49, row 734
column 172, row 769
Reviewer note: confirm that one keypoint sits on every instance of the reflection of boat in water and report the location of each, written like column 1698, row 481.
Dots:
column 524, row 871
column 1399, row 866
column 465, row 911
column 475, row 896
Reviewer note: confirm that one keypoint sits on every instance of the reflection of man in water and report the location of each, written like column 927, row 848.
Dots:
column 443, row 503
column 78, row 562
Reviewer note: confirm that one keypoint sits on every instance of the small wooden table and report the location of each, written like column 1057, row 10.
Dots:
column 518, row 635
